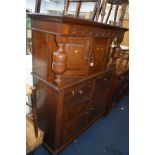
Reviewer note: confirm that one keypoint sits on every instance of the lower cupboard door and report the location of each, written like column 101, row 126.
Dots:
column 100, row 102
column 71, row 128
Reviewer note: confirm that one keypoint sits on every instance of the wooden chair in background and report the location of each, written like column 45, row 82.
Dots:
column 78, row 6
column 34, row 136
column 99, row 11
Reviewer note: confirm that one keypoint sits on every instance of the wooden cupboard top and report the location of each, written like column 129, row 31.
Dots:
column 68, row 82
column 72, row 20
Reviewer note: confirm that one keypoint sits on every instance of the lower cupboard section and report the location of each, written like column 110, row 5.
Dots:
column 73, row 109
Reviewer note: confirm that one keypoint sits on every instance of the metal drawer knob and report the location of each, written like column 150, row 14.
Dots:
column 80, row 91
column 91, row 64
column 73, row 93
column 75, row 51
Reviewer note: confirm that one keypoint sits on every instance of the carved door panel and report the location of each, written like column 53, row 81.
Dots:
column 77, row 49
column 98, row 53
column 101, row 93
column 100, row 100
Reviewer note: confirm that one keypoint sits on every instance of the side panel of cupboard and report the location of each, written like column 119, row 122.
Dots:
column 43, row 47
column 47, row 100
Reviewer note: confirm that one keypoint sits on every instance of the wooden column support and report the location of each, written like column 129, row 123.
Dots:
column 116, row 52
column 94, row 11
column 34, row 110
column 37, row 6
column 66, row 6
column 104, row 3
column 123, row 9
column 116, row 12
column 109, row 13
column 78, row 6
column 59, row 63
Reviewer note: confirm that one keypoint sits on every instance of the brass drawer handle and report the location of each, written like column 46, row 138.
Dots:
column 81, row 91
column 73, row 93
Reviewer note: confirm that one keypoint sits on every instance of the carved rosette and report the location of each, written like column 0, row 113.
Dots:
column 91, row 32
column 59, row 63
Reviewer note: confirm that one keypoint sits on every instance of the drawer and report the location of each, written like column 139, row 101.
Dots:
column 77, row 92
column 74, row 109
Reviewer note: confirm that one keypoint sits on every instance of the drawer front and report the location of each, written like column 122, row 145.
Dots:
column 77, row 92
column 74, row 109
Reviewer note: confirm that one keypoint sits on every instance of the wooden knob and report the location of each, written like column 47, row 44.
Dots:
column 81, row 91
column 116, row 52
column 73, row 93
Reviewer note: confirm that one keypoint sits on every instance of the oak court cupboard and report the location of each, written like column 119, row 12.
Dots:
column 73, row 84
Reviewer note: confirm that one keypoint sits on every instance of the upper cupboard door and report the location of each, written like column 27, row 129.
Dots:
column 77, row 49
column 98, row 55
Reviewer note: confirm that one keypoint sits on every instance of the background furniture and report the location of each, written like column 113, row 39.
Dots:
column 120, row 82
column 28, row 35
column 102, row 10
column 99, row 12
column 125, row 41
column 73, row 83
column 34, row 136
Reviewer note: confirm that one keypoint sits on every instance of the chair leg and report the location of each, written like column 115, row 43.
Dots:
column 66, row 6
column 34, row 110
column 78, row 6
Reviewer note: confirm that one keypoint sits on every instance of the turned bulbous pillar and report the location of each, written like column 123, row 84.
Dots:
column 59, row 62
column 116, row 53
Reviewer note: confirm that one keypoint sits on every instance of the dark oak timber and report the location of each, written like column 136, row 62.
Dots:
column 77, row 50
